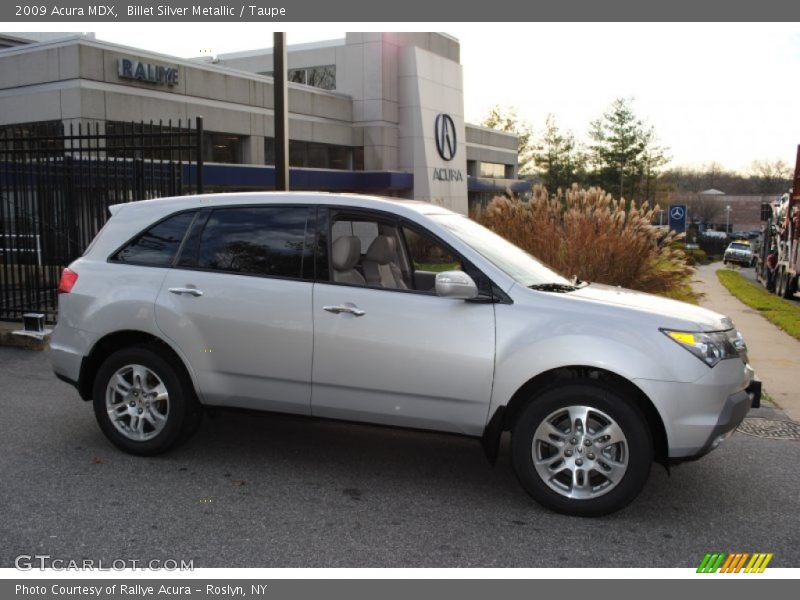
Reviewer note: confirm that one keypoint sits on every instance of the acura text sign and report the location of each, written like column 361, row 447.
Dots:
column 147, row 72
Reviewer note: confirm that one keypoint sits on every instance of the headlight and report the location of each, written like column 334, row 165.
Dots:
column 710, row 347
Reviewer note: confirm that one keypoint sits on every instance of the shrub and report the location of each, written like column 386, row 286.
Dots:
column 587, row 233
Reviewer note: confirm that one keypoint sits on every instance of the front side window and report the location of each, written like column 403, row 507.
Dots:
column 268, row 240
column 386, row 254
column 507, row 257
column 157, row 246
column 427, row 254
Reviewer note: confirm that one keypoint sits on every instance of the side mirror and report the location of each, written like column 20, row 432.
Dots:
column 456, row 284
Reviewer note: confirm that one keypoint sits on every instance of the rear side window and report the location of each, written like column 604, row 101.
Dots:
column 157, row 246
column 264, row 240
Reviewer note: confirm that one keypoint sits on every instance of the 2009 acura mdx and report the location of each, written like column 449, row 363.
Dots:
column 393, row 312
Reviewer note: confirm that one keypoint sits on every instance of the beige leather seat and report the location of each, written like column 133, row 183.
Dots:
column 380, row 268
column 345, row 253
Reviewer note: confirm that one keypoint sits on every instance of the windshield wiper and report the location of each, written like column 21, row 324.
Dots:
column 553, row 287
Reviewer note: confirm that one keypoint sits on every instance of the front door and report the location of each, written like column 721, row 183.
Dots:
column 387, row 349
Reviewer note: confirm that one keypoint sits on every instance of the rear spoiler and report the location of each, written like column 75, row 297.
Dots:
column 115, row 208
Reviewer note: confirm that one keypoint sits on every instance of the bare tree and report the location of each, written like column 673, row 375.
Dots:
column 772, row 176
column 704, row 208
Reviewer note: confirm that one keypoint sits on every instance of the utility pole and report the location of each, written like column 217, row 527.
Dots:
column 281, row 97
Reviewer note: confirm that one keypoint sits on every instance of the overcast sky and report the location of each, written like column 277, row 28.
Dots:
column 728, row 93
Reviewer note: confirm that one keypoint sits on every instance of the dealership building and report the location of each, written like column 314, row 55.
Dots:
column 370, row 113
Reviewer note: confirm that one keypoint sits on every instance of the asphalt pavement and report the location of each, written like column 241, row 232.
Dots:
column 256, row 490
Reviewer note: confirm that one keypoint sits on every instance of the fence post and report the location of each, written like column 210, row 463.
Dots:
column 199, row 163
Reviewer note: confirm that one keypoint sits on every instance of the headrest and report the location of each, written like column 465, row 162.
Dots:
column 381, row 250
column 345, row 252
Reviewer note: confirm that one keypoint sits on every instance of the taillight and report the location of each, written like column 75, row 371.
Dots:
column 68, row 279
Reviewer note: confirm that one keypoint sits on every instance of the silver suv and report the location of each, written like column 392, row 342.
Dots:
column 393, row 312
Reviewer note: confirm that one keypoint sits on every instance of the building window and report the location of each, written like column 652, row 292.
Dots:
column 148, row 141
column 493, row 170
column 223, row 148
column 472, row 168
column 42, row 135
column 323, row 77
column 314, row 155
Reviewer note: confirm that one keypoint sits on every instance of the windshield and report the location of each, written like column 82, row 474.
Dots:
column 514, row 261
column 735, row 246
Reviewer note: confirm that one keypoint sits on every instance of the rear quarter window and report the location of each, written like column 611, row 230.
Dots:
column 157, row 246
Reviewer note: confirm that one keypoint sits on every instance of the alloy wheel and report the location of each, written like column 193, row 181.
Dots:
column 580, row 452
column 137, row 402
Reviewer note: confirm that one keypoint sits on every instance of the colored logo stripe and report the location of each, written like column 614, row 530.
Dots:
column 734, row 563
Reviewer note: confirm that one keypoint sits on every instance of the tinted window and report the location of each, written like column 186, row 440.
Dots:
column 257, row 240
column 157, row 246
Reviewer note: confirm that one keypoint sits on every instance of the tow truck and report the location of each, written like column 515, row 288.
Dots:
column 780, row 233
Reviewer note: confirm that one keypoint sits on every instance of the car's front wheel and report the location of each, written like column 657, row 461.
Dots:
column 582, row 449
column 144, row 401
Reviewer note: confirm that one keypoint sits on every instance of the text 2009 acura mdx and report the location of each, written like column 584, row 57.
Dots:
column 393, row 312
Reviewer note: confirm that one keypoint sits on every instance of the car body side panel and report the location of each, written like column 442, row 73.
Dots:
column 546, row 331
column 105, row 299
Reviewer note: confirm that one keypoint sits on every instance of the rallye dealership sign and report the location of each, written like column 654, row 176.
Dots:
column 147, row 72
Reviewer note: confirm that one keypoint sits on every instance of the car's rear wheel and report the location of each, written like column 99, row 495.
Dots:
column 582, row 449
column 144, row 401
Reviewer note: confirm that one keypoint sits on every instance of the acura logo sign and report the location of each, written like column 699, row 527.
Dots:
column 445, row 131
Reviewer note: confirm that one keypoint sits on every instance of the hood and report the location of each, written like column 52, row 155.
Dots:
column 703, row 319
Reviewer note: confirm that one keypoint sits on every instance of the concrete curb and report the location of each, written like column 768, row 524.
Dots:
column 7, row 338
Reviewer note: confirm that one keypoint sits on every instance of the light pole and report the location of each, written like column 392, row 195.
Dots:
column 727, row 218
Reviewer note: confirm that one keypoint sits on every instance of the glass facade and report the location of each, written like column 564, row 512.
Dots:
column 317, row 156
column 323, row 76
column 223, row 148
column 493, row 170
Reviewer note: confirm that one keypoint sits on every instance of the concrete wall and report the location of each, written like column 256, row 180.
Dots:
column 79, row 79
column 430, row 85
column 390, row 89
column 490, row 145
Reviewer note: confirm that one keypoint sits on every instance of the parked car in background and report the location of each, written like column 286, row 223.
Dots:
column 398, row 313
column 739, row 252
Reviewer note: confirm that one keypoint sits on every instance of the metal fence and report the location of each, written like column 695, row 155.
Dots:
column 56, row 184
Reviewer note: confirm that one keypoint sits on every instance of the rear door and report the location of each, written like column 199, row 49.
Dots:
column 238, row 305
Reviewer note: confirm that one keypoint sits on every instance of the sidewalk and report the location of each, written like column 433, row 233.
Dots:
column 774, row 354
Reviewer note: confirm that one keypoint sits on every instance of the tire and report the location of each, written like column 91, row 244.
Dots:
column 153, row 397
column 780, row 283
column 600, row 491
column 788, row 286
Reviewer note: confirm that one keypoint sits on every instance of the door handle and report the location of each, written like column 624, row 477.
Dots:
column 186, row 290
column 347, row 307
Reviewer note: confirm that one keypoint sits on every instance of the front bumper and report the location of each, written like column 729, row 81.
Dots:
column 733, row 413
column 696, row 414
